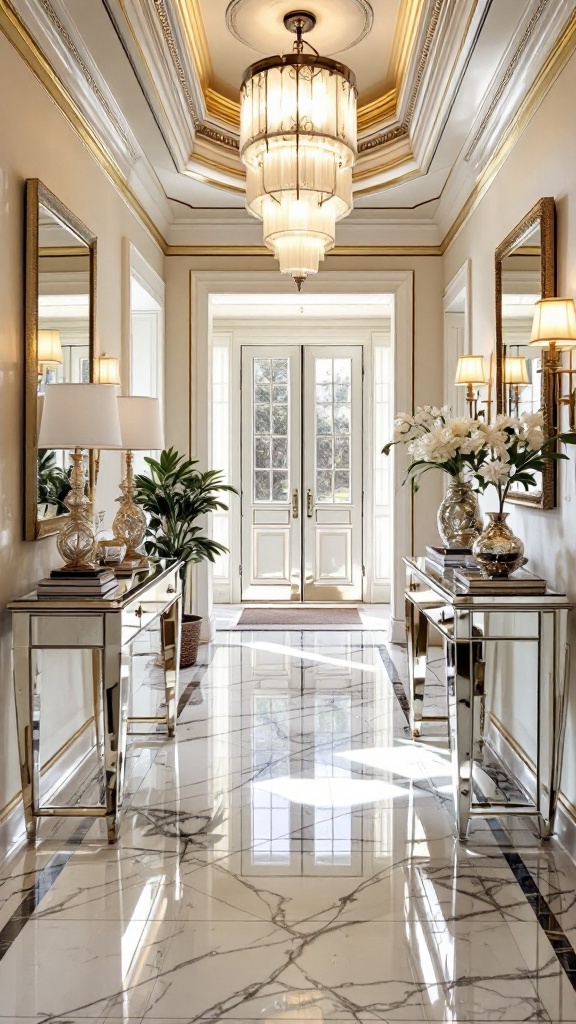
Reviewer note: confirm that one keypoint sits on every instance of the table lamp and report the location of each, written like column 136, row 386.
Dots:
column 76, row 417
column 141, row 430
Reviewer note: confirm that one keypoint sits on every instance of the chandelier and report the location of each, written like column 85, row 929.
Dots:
column 298, row 144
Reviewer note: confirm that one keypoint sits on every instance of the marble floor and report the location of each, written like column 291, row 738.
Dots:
column 290, row 857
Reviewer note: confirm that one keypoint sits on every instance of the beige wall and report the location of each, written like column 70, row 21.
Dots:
column 541, row 164
column 428, row 366
column 36, row 141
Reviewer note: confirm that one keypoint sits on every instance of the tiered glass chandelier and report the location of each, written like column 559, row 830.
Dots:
column 298, row 144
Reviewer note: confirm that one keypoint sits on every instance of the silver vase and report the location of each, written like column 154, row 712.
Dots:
column 459, row 520
column 497, row 550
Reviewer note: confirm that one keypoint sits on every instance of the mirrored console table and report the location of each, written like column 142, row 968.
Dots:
column 471, row 627
column 106, row 629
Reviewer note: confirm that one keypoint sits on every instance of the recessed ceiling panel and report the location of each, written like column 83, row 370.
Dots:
column 260, row 24
column 361, row 35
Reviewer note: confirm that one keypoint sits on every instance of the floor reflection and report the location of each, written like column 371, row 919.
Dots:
column 290, row 858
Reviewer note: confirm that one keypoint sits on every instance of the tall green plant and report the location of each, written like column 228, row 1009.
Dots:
column 174, row 495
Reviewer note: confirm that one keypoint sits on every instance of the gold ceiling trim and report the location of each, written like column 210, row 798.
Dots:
column 370, row 115
column 379, row 110
column 355, row 251
column 510, row 70
column 430, row 33
column 191, row 18
column 563, row 50
column 18, row 35
column 221, row 107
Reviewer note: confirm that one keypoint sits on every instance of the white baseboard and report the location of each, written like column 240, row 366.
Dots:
column 397, row 631
column 12, row 828
column 523, row 769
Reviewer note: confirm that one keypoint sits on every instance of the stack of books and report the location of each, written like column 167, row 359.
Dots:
column 474, row 581
column 447, row 558
column 64, row 583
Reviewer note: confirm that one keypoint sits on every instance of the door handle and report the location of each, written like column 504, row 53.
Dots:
column 309, row 503
column 295, row 505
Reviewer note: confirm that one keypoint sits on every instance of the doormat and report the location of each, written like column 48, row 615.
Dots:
column 299, row 618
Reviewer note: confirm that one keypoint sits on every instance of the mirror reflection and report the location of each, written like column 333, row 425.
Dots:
column 521, row 288
column 60, row 284
column 524, row 274
column 63, row 338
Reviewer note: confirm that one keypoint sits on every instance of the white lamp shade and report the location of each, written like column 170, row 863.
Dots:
column 470, row 370
column 515, row 370
column 80, row 416
column 554, row 320
column 108, row 370
column 49, row 348
column 140, row 423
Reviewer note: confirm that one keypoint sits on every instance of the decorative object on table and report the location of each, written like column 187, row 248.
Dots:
column 111, row 550
column 471, row 373
column 514, row 450
column 508, row 451
column 141, row 430
column 447, row 558
column 78, row 584
column 298, row 143
column 174, row 496
column 474, row 581
column 76, row 417
column 436, row 440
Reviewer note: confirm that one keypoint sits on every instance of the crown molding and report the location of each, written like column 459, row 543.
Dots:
column 18, row 35
column 347, row 251
column 476, row 184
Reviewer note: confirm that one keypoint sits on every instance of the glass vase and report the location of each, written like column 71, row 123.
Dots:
column 459, row 520
column 497, row 550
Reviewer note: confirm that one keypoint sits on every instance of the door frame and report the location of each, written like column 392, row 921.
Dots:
column 297, row 334
column 400, row 284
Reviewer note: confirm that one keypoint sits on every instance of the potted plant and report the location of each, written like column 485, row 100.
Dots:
column 174, row 495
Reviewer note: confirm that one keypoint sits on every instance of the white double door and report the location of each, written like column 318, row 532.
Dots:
column 302, row 473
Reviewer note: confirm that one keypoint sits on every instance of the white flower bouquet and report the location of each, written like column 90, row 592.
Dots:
column 508, row 451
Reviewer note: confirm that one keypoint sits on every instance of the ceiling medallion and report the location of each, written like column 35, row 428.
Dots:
column 260, row 24
column 298, row 144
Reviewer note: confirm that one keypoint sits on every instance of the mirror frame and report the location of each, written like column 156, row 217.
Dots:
column 38, row 194
column 544, row 215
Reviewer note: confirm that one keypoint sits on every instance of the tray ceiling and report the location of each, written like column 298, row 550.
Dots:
column 440, row 83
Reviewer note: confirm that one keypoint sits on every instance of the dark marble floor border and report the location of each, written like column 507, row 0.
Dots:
column 565, row 952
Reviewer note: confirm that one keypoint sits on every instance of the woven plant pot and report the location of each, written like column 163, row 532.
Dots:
column 190, row 638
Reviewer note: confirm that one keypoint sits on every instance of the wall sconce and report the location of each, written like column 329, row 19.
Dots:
column 108, row 370
column 515, row 374
column 554, row 328
column 471, row 372
column 49, row 353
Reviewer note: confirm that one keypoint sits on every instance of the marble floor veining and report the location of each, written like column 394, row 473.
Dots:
column 291, row 856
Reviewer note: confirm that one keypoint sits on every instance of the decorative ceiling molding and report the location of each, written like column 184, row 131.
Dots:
column 12, row 26
column 546, row 18
column 89, row 75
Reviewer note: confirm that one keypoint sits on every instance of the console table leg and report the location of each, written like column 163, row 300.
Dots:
column 114, row 695
column 552, row 678
column 417, row 637
column 170, row 629
column 26, row 699
column 459, row 669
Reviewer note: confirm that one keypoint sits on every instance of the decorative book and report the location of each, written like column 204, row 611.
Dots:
column 519, row 582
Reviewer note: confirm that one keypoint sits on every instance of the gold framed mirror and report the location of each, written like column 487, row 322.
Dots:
column 525, row 271
column 59, row 338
